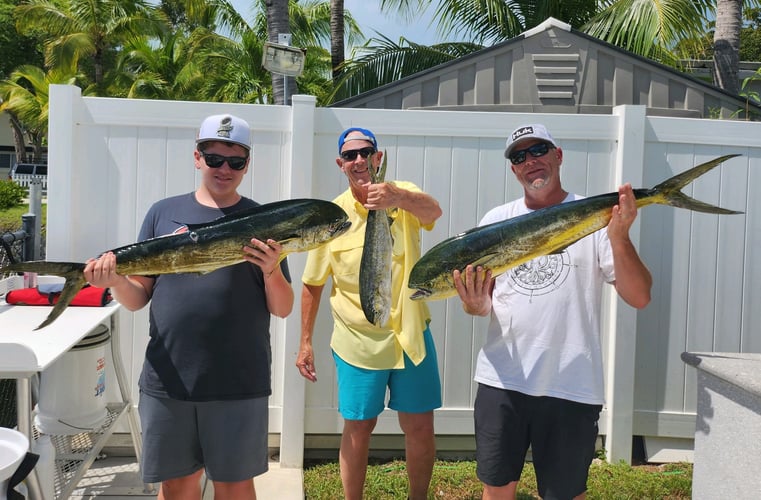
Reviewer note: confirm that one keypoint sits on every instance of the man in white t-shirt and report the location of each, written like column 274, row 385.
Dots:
column 539, row 373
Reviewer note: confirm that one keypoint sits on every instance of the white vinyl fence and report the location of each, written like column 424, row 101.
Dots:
column 110, row 159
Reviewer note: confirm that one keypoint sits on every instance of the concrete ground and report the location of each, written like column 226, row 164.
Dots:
column 116, row 478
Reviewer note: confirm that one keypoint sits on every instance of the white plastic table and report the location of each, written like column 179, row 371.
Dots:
column 25, row 352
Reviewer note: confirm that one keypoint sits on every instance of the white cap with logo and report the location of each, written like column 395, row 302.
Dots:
column 225, row 128
column 534, row 131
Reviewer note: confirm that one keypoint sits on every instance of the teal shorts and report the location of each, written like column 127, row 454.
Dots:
column 412, row 389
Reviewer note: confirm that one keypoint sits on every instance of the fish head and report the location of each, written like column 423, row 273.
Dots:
column 339, row 228
column 319, row 227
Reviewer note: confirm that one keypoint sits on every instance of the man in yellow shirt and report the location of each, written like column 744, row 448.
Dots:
column 400, row 356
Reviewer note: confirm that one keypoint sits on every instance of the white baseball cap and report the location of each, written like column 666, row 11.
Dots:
column 533, row 131
column 225, row 128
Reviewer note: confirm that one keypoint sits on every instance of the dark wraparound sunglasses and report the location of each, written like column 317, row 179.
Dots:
column 215, row 161
column 537, row 150
column 351, row 154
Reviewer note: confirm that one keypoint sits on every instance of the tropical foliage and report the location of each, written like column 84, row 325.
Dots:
column 205, row 50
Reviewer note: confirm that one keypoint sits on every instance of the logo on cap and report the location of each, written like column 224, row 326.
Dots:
column 522, row 131
column 225, row 127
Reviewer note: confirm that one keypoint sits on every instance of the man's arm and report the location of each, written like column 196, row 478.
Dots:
column 421, row 205
column 387, row 195
column 310, row 303
column 633, row 279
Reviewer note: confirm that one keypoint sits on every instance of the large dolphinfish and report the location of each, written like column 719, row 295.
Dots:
column 375, row 267
column 298, row 225
column 503, row 245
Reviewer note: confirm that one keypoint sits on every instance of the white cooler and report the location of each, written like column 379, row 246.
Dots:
column 72, row 390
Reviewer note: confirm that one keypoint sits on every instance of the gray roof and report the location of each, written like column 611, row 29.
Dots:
column 555, row 69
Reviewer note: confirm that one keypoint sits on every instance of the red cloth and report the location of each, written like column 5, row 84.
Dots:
column 87, row 296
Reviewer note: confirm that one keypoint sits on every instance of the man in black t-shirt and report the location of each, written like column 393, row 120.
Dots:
column 205, row 381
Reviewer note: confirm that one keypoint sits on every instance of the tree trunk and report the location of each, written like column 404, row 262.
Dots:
column 278, row 23
column 336, row 37
column 19, row 145
column 726, row 45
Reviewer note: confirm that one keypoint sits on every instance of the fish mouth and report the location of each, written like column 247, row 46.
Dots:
column 421, row 293
column 341, row 227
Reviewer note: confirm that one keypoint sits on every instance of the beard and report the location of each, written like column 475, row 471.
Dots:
column 538, row 183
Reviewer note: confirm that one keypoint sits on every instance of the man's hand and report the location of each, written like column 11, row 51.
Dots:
column 474, row 290
column 305, row 362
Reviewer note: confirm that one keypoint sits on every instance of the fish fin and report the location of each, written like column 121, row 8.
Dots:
column 384, row 164
column 484, row 261
column 73, row 285
column 669, row 191
column 72, row 272
column 379, row 175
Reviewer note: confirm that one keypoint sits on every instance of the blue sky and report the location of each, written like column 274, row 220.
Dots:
column 370, row 19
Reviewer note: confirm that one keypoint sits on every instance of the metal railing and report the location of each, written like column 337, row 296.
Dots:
column 25, row 244
column 21, row 245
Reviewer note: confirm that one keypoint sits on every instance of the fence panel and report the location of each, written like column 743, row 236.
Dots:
column 112, row 158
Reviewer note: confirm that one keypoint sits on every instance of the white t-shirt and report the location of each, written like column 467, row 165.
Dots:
column 544, row 332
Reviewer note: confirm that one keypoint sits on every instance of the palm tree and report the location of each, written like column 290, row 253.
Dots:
column 337, row 50
column 91, row 29
column 148, row 70
column 223, row 69
column 232, row 69
column 277, row 24
column 649, row 28
column 382, row 61
column 24, row 96
column 726, row 45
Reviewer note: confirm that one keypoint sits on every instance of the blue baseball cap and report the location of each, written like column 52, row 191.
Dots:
column 366, row 136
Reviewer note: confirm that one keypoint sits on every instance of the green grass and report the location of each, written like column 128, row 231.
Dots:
column 453, row 480
column 10, row 219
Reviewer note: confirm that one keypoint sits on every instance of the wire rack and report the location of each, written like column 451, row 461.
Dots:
column 75, row 453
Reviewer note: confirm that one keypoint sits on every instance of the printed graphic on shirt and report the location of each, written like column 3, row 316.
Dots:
column 541, row 275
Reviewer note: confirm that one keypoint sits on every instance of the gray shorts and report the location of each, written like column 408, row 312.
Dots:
column 227, row 438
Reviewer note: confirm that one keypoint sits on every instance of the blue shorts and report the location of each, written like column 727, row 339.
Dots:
column 412, row 389
column 227, row 438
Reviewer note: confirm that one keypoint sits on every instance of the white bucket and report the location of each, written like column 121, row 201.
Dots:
column 72, row 390
column 13, row 448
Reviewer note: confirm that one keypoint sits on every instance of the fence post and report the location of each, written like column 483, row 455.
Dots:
column 27, row 225
column 32, row 243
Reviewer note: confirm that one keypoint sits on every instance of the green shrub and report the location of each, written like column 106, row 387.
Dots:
column 11, row 194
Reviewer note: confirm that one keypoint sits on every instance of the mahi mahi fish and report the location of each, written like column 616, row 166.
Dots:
column 375, row 267
column 298, row 225
column 506, row 244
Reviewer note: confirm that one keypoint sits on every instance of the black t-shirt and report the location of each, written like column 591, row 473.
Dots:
column 209, row 334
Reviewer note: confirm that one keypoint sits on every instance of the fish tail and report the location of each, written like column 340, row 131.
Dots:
column 669, row 191
column 70, row 271
column 379, row 175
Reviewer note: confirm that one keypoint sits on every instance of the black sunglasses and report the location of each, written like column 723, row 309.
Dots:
column 351, row 154
column 537, row 150
column 215, row 161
